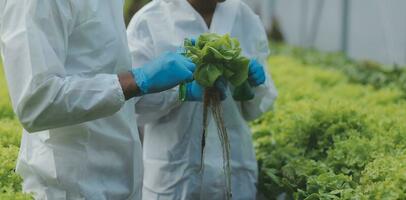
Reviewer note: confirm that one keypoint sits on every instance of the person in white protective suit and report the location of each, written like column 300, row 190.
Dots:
column 173, row 130
column 71, row 82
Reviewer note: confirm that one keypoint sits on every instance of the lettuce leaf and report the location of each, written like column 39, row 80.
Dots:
column 217, row 56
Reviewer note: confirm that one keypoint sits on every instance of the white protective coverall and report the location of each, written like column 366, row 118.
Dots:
column 173, row 130
column 61, row 58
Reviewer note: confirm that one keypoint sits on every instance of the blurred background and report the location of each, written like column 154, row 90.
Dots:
column 362, row 29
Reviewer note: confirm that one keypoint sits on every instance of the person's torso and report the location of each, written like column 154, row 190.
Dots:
column 100, row 159
column 173, row 143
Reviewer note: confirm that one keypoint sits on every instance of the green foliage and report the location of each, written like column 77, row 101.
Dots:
column 9, row 181
column 15, row 196
column 217, row 56
column 10, row 135
column 384, row 178
column 329, row 138
column 5, row 107
column 363, row 72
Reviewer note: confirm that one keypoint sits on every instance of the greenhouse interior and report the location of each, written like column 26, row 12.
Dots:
column 307, row 104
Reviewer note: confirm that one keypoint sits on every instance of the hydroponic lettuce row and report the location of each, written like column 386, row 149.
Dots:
column 10, row 135
column 363, row 72
column 330, row 138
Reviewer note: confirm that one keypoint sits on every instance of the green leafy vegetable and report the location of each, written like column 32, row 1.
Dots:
column 219, row 56
column 330, row 138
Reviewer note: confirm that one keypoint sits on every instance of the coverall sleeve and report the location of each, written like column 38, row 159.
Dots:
column 265, row 94
column 34, row 40
column 151, row 107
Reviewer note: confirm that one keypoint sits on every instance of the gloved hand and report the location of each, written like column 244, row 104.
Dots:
column 256, row 73
column 195, row 92
column 193, row 40
column 165, row 72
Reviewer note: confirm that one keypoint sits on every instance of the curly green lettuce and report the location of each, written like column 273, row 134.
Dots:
column 219, row 56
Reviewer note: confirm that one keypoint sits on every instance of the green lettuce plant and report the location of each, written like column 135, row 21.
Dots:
column 219, row 56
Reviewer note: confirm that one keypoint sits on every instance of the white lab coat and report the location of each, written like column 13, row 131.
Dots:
column 264, row 8
column 61, row 58
column 173, row 130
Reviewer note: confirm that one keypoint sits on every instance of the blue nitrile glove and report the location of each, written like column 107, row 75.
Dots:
column 165, row 72
column 256, row 74
column 193, row 40
column 195, row 92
